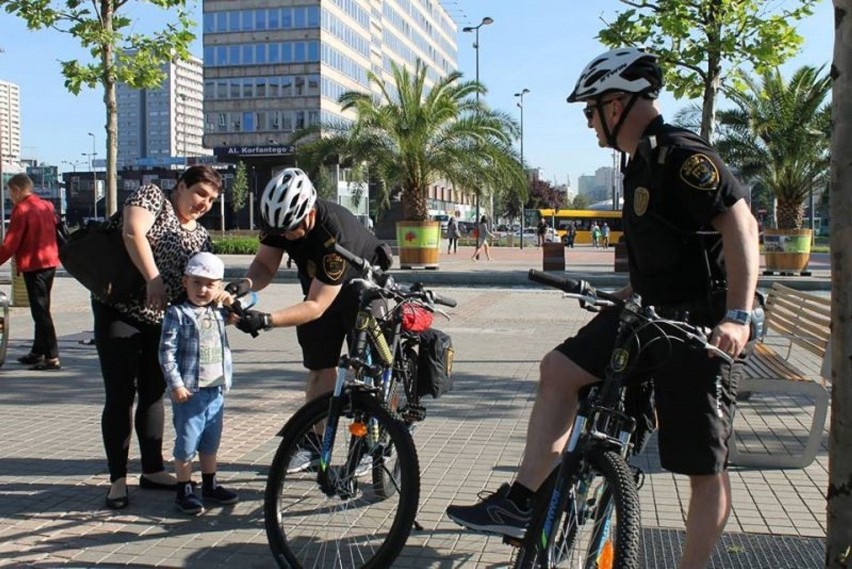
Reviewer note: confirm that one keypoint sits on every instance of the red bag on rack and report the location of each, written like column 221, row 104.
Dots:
column 415, row 318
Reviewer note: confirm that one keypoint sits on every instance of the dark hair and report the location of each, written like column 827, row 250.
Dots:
column 483, row 219
column 201, row 173
column 20, row 181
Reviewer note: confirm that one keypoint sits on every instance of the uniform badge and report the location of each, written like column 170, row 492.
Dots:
column 333, row 265
column 641, row 198
column 700, row 172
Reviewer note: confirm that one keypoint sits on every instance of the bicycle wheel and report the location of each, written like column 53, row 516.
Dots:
column 386, row 468
column 598, row 527
column 341, row 524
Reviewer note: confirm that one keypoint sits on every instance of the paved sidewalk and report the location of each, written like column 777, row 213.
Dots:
column 53, row 474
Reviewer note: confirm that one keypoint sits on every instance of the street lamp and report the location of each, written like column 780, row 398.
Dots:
column 94, row 179
column 485, row 22
column 523, row 166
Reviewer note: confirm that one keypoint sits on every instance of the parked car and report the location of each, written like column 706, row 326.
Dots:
column 466, row 227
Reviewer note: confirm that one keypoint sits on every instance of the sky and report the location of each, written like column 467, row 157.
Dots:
column 540, row 45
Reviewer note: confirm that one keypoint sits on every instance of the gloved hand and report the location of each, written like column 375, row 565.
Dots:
column 252, row 321
column 239, row 287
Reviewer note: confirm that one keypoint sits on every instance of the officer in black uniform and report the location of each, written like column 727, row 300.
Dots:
column 692, row 249
column 306, row 229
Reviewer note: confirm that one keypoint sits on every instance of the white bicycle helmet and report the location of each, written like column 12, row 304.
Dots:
column 624, row 70
column 287, row 199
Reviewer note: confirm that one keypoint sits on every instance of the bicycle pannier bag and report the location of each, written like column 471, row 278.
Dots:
column 96, row 256
column 434, row 364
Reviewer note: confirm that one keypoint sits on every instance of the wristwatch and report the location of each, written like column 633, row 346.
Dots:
column 739, row 316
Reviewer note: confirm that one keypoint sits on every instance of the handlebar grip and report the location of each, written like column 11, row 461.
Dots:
column 444, row 300
column 562, row 283
column 360, row 263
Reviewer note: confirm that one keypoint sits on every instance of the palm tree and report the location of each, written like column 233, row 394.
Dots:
column 411, row 138
column 778, row 135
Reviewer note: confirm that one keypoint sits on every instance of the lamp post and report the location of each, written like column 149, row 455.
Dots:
column 94, row 180
column 523, row 166
column 485, row 22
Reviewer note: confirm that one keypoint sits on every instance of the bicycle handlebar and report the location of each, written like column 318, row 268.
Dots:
column 377, row 275
column 589, row 296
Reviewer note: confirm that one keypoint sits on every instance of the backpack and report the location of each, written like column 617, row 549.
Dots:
column 476, row 233
column 434, row 363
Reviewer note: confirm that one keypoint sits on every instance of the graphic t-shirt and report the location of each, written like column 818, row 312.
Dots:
column 211, row 371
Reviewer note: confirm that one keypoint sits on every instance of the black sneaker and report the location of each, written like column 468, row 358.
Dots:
column 188, row 503
column 220, row 494
column 495, row 513
column 307, row 454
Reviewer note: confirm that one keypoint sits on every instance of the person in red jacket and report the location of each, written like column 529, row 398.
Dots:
column 31, row 238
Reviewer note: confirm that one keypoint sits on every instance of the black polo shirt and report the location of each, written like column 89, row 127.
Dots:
column 314, row 253
column 674, row 185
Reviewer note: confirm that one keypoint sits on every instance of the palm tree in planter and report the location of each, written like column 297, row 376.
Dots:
column 778, row 135
column 411, row 138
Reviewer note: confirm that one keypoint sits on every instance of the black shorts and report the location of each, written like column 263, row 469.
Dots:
column 694, row 393
column 322, row 339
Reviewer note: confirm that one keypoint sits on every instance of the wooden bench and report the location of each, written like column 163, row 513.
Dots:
column 793, row 318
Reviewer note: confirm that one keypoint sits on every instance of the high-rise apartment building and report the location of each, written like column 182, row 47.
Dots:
column 10, row 127
column 274, row 66
column 163, row 126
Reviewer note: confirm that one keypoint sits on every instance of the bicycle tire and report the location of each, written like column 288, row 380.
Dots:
column 353, row 527
column 603, row 495
column 386, row 468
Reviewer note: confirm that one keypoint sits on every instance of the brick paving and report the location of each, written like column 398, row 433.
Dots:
column 53, row 475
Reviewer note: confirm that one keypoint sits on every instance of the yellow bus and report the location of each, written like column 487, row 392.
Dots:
column 583, row 219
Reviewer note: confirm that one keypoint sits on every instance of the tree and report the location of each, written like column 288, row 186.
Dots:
column 700, row 43
column 838, row 554
column 239, row 190
column 580, row 202
column 778, row 135
column 544, row 196
column 324, row 184
column 118, row 53
column 411, row 138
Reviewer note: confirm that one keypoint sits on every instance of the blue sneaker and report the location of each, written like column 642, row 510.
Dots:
column 220, row 494
column 495, row 513
column 187, row 502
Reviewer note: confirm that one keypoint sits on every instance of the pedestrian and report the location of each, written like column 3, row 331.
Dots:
column 453, row 235
column 692, row 248
column 161, row 233
column 196, row 362
column 306, row 228
column 31, row 239
column 541, row 230
column 570, row 234
column 482, row 235
column 596, row 235
column 605, row 235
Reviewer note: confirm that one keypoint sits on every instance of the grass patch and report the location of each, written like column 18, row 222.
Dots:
column 236, row 244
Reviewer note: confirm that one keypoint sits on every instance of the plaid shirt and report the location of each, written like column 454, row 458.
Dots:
column 179, row 347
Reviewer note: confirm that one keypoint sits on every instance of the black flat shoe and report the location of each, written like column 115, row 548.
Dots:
column 116, row 503
column 149, row 484
column 46, row 365
column 30, row 359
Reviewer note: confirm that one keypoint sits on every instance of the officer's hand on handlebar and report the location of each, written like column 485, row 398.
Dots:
column 730, row 337
column 253, row 321
column 240, row 287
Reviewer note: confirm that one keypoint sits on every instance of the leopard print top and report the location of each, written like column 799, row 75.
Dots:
column 172, row 246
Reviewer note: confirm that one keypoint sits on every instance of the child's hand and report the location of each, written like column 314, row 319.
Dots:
column 180, row 394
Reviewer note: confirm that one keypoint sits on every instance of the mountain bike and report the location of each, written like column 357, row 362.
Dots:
column 586, row 515
column 332, row 514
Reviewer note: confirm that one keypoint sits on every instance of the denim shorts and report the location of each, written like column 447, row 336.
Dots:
column 198, row 423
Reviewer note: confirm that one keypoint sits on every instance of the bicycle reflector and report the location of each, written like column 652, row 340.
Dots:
column 358, row 429
column 415, row 318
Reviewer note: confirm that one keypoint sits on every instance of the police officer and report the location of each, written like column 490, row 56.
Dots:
column 306, row 228
column 682, row 210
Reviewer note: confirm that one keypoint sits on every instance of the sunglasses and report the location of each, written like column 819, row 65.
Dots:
column 589, row 111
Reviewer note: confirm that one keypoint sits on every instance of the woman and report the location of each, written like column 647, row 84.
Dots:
column 161, row 233
column 482, row 239
column 453, row 235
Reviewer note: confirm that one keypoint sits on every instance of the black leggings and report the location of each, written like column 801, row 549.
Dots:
column 128, row 352
column 39, row 283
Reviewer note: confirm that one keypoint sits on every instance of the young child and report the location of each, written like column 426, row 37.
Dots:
column 196, row 362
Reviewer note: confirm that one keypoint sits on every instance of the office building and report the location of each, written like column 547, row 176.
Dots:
column 10, row 128
column 163, row 127
column 272, row 67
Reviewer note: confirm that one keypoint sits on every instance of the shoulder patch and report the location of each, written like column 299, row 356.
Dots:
column 700, row 172
column 333, row 265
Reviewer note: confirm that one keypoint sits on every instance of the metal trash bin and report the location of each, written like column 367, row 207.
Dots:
column 553, row 257
column 4, row 326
